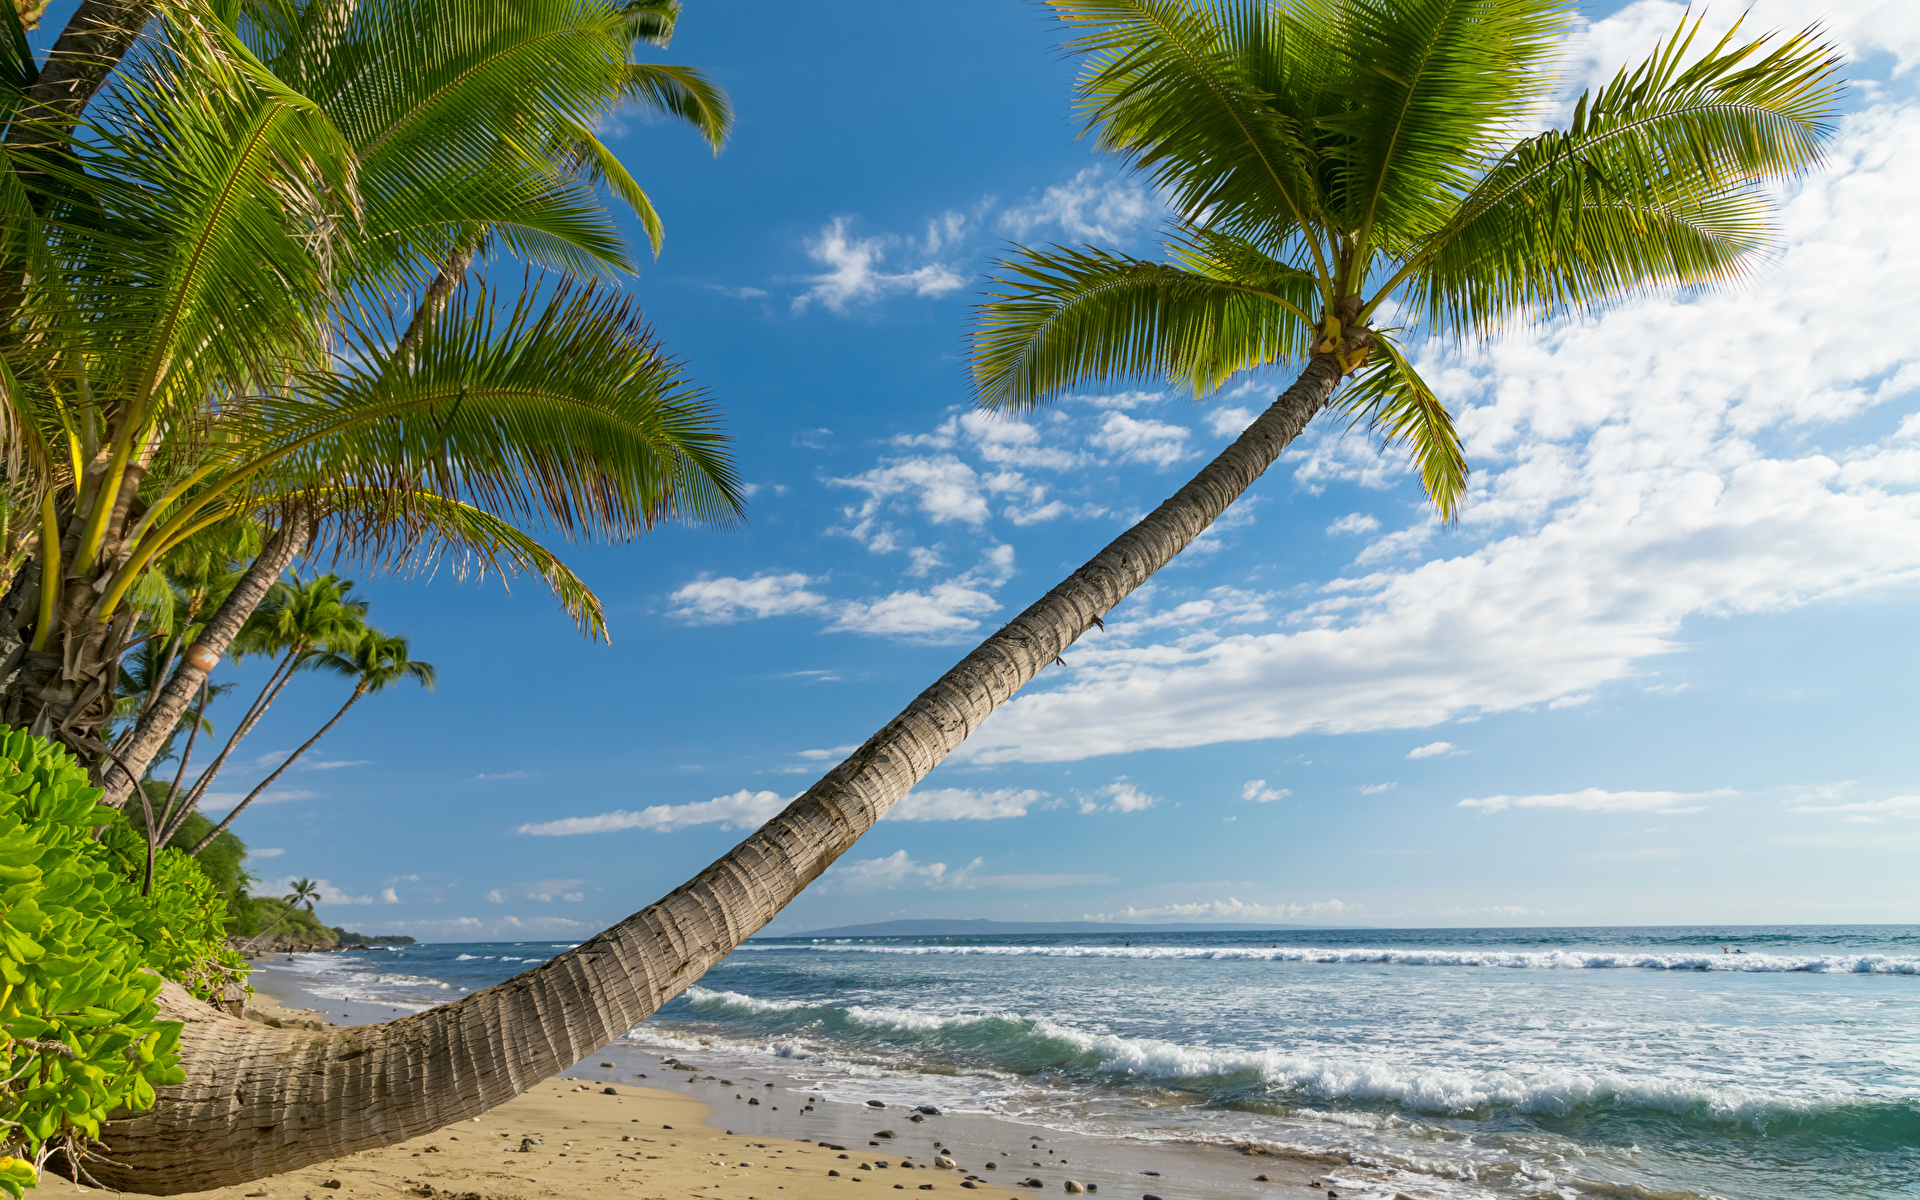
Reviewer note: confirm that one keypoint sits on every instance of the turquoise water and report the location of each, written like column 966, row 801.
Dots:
column 1468, row 1063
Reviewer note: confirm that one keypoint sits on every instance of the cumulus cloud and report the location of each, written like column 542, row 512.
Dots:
column 900, row 870
column 1598, row 800
column 1155, row 443
column 708, row 601
column 1675, row 458
column 265, row 851
column 1121, row 796
column 1228, row 910
column 221, row 801
column 1230, row 422
column 741, row 810
column 1257, row 791
column 1431, row 750
column 1355, row 523
column 964, row 804
column 1097, row 205
column 329, row 894
column 856, row 266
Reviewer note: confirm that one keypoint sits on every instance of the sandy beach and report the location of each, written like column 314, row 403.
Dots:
column 631, row 1125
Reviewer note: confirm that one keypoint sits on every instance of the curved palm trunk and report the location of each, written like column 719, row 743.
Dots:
column 266, row 783
column 258, row 1101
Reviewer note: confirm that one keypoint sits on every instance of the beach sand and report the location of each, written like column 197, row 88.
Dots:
column 673, row 1134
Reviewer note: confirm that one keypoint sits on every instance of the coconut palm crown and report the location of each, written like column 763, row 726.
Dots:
column 1334, row 164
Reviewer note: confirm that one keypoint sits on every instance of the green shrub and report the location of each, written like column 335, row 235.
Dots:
column 81, row 956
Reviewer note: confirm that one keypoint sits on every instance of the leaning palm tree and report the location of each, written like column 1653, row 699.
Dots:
column 301, row 892
column 375, row 661
column 1324, row 158
column 206, row 280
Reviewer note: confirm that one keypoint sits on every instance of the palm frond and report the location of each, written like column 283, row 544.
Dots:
column 683, row 92
column 1429, row 91
column 415, row 532
column 1392, row 400
column 1064, row 316
column 1651, row 184
column 1210, row 101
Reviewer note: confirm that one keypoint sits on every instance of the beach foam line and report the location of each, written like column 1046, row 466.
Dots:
column 1010, row 1042
column 1537, row 960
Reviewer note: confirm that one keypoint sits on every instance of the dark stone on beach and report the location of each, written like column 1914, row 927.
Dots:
column 330, row 1183
column 833, row 1173
column 1150, row 1173
column 991, row 1167
column 1149, row 1196
column 965, row 1183
column 916, row 1118
column 755, row 1101
column 1261, row 1179
column 666, row 1127
column 926, row 1187
column 606, row 1064
column 928, row 1109
column 886, row 1133
column 605, row 1091
column 875, row 1104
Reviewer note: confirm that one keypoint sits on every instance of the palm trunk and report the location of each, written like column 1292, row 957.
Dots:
column 150, row 733
column 282, row 674
column 258, row 1101
column 266, row 783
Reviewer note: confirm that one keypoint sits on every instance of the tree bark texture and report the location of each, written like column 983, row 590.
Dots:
column 88, row 49
column 118, row 775
column 258, row 1101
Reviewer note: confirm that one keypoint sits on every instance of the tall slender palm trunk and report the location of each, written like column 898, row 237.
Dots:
column 258, row 1101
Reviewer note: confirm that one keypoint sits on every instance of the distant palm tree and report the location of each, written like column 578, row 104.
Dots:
column 375, row 661
column 299, row 620
column 303, row 892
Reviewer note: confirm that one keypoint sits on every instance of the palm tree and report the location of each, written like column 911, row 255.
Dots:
column 200, row 281
column 1287, row 134
column 297, row 622
column 375, row 661
column 302, row 891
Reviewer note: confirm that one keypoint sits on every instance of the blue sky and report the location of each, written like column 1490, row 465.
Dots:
column 1661, row 672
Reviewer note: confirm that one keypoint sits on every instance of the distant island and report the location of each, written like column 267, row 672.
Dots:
column 984, row 928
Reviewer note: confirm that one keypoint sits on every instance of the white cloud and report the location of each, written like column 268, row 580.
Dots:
column 389, row 895
column 1230, row 422
column 1154, row 443
column 708, row 601
column 265, row 851
column 899, row 870
column 1126, row 400
column 1658, row 463
column 1228, row 910
column 1597, row 800
column 964, row 804
column 1257, row 791
column 1121, row 797
column 944, row 608
column 503, row 775
column 1868, row 811
column 855, row 272
column 329, row 894
column 1374, row 789
column 1097, row 206
column 1431, row 750
column 741, row 810
column 1355, row 523
column 835, row 754
column 222, row 801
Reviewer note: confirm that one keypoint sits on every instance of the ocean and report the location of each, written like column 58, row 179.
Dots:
column 1750, row 1063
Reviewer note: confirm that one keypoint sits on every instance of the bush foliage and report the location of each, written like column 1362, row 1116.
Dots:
column 82, row 953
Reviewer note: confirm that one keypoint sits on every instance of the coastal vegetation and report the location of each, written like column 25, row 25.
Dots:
column 242, row 323
column 1329, row 163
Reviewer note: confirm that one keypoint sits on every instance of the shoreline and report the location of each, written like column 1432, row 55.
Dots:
column 769, row 1113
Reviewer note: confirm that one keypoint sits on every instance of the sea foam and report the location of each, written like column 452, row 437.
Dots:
column 1538, row 960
